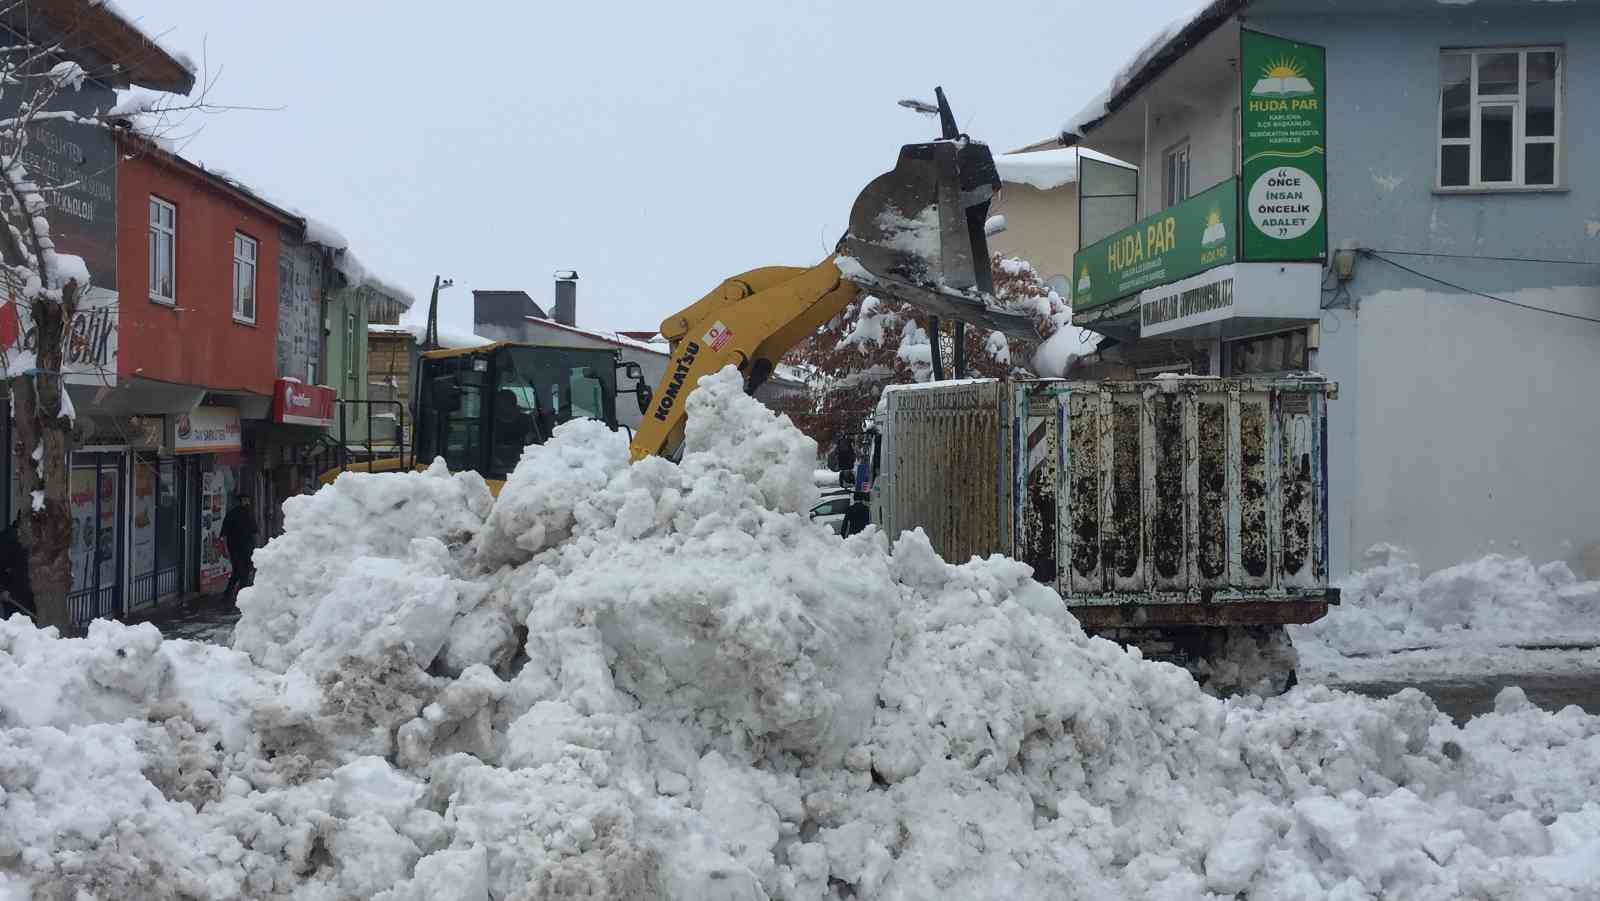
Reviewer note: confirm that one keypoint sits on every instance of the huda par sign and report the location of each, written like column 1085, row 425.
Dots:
column 1186, row 238
column 1283, row 119
column 1275, row 212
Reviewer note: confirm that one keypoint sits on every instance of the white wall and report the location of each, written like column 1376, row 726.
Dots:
column 1207, row 122
column 1473, row 425
column 1041, row 226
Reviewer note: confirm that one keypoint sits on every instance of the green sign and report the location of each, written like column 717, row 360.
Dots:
column 1283, row 133
column 1180, row 241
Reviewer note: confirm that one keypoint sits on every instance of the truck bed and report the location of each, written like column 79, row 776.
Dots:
column 1174, row 501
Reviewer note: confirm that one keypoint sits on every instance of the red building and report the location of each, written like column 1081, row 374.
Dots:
column 197, row 274
column 182, row 381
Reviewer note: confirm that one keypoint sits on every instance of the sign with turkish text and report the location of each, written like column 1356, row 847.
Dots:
column 1283, row 134
column 295, row 403
column 1182, row 240
column 90, row 355
column 206, row 430
column 1207, row 297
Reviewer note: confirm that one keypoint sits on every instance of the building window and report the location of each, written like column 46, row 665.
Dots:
column 163, row 251
column 244, row 278
column 1500, row 118
column 1175, row 166
column 1283, row 352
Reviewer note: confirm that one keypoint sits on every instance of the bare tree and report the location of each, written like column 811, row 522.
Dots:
column 42, row 92
column 875, row 343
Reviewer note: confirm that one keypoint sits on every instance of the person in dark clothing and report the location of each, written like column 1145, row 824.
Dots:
column 15, row 580
column 239, row 533
column 844, row 458
column 857, row 517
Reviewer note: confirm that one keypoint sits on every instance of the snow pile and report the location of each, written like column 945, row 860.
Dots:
column 1495, row 601
column 662, row 681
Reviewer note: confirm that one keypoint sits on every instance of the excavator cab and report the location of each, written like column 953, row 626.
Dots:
column 478, row 407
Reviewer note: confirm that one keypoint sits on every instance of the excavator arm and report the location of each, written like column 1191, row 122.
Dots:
column 750, row 321
column 916, row 235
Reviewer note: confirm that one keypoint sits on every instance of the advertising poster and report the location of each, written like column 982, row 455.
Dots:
column 144, row 518
column 214, row 566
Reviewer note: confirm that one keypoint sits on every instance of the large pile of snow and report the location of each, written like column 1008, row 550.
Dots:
column 1391, row 605
column 1470, row 609
column 662, row 680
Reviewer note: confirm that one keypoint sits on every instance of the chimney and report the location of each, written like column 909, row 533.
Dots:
column 566, row 310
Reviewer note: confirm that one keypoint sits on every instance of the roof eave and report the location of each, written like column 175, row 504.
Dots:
column 1208, row 20
column 96, row 33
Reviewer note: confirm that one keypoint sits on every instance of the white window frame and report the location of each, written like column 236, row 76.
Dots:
column 1519, row 118
column 1171, row 193
column 157, row 231
column 246, row 261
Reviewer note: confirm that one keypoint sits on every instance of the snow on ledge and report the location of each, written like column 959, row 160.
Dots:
column 1047, row 169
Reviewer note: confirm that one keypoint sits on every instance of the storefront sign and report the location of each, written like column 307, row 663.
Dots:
column 1206, row 297
column 294, row 403
column 207, row 430
column 91, row 340
column 1231, row 301
column 1283, row 133
column 1189, row 237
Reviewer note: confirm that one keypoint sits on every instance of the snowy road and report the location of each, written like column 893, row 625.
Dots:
column 1464, row 698
column 209, row 621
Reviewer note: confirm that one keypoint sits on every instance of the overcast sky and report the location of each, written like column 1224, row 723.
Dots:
column 657, row 148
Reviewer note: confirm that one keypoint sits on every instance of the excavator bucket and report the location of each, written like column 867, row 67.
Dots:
column 917, row 232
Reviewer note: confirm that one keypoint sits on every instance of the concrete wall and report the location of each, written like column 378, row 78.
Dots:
column 1463, row 425
column 1041, row 226
column 1208, row 127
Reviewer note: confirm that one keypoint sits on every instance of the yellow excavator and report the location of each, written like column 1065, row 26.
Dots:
column 916, row 234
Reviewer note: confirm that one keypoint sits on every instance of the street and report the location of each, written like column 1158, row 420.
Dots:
column 1465, row 697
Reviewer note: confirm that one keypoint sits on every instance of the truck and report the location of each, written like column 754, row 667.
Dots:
column 1184, row 515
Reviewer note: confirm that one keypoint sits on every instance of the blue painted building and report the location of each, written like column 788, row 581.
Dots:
column 1455, row 300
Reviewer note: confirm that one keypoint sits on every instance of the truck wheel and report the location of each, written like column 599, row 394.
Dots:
column 1258, row 660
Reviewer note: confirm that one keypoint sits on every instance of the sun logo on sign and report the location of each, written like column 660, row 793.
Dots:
column 1283, row 77
column 1083, row 280
column 1215, row 232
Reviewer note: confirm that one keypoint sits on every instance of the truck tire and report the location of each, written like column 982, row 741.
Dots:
column 1259, row 660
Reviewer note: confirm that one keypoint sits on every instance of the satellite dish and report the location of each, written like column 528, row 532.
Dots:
column 1061, row 285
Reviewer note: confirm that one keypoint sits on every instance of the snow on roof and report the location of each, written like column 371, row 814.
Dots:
column 612, row 337
column 1046, row 169
column 1100, row 106
column 347, row 263
column 447, row 337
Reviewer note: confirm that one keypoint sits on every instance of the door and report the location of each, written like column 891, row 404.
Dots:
column 95, row 495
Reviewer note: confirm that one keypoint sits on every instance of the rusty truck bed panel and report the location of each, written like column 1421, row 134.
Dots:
column 1203, row 492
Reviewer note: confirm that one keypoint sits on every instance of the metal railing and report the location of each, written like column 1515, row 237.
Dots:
column 367, row 450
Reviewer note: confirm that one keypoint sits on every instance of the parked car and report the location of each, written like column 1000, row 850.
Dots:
column 831, row 510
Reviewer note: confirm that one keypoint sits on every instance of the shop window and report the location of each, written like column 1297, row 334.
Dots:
column 163, row 251
column 1283, row 352
column 1499, row 118
column 244, row 278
